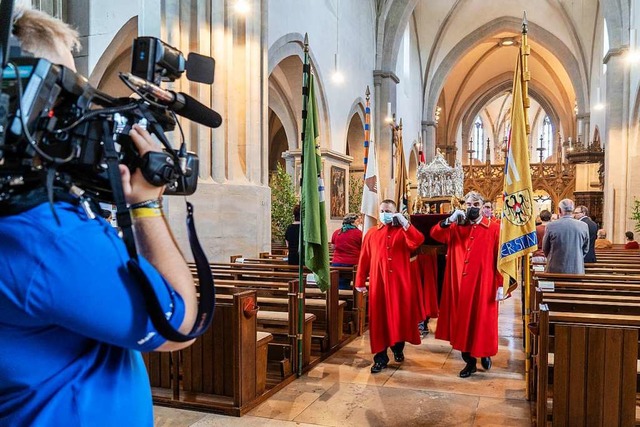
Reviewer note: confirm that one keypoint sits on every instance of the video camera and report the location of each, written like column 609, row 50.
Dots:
column 52, row 118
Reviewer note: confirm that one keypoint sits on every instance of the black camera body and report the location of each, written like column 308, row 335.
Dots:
column 55, row 119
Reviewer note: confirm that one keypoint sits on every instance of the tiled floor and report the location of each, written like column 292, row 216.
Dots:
column 424, row 390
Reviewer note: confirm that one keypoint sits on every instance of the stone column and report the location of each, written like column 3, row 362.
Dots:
column 584, row 127
column 616, row 140
column 385, row 85
column 232, row 204
column 429, row 130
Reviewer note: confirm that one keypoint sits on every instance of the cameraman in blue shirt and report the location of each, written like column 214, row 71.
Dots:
column 72, row 319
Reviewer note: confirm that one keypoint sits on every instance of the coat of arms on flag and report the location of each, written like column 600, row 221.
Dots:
column 518, row 207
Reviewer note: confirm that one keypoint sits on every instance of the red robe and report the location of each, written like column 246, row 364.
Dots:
column 468, row 308
column 427, row 266
column 395, row 306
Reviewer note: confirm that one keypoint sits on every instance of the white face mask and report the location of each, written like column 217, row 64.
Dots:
column 386, row 217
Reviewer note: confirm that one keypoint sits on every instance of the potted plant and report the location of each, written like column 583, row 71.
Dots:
column 635, row 214
column 283, row 199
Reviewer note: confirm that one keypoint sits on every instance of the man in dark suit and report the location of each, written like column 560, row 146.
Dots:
column 581, row 213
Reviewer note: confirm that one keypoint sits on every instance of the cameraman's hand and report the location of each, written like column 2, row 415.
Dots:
column 136, row 188
column 456, row 216
column 401, row 220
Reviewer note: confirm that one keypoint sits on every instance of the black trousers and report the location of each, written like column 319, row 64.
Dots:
column 468, row 359
column 383, row 358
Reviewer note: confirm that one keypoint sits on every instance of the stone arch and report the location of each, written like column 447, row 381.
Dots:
column 116, row 57
column 281, row 106
column 278, row 141
column 354, row 144
column 392, row 20
column 572, row 66
column 292, row 45
column 496, row 89
column 617, row 15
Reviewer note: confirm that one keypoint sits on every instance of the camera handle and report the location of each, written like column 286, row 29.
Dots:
column 207, row 302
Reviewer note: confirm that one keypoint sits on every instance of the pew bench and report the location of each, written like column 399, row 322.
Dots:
column 279, row 323
column 273, row 296
column 223, row 370
column 595, row 364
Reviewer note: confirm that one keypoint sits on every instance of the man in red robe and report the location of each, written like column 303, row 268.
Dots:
column 394, row 290
column 472, row 285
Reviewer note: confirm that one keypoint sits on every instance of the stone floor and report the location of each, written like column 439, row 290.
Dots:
column 424, row 390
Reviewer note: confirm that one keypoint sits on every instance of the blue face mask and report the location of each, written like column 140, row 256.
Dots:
column 386, row 217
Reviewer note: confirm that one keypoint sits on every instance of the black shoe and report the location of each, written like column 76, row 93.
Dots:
column 377, row 367
column 468, row 370
column 486, row 363
column 398, row 357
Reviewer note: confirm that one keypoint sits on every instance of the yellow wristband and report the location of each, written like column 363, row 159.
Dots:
column 146, row 212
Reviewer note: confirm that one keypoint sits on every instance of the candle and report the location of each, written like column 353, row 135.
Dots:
column 388, row 110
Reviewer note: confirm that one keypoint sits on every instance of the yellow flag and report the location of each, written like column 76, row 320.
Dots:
column 517, row 228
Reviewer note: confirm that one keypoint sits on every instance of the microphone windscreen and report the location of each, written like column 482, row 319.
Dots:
column 199, row 113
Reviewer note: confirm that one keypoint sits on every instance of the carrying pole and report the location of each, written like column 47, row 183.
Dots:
column 306, row 69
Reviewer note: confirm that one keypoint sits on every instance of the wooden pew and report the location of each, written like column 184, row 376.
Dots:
column 329, row 313
column 356, row 301
column 599, row 294
column 278, row 315
column 224, row 370
column 331, row 316
column 595, row 360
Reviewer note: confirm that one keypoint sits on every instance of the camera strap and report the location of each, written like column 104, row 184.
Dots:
column 207, row 300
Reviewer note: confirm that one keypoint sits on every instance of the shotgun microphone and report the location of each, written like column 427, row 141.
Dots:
column 181, row 103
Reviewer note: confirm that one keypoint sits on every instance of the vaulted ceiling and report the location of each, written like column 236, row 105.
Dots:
column 468, row 61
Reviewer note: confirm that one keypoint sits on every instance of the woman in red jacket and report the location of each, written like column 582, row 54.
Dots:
column 631, row 244
column 346, row 241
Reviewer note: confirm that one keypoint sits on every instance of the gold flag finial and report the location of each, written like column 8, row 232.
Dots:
column 525, row 23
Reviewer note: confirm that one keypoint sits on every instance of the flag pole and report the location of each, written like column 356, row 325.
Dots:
column 527, row 275
column 306, row 69
column 367, row 128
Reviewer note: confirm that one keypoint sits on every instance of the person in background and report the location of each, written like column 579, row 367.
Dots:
column 631, row 244
column 545, row 218
column 566, row 241
column 581, row 213
column 346, row 241
column 292, row 237
column 538, row 220
column 394, row 290
column 487, row 211
column 473, row 285
column 602, row 242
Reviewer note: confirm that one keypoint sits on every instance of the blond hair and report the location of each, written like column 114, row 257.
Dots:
column 40, row 33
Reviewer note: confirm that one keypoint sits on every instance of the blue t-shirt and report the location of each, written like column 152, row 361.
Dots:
column 73, row 323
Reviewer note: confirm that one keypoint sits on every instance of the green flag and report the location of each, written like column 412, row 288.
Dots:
column 314, row 224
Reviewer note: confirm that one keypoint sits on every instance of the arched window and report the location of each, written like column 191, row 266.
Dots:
column 479, row 144
column 546, row 138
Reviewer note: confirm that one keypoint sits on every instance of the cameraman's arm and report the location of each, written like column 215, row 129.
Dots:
column 155, row 241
